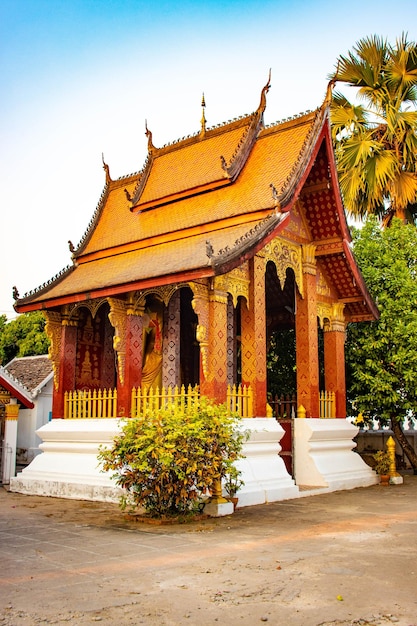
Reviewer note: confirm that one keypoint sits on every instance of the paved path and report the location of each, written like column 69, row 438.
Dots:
column 334, row 559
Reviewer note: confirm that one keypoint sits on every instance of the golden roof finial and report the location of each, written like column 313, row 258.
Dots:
column 262, row 104
column 203, row 117
column 106, row 169
column 330, row 86
column 148, row 133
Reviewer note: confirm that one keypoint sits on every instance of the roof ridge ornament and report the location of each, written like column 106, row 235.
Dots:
column 106, row 169
column 203, row 117
column 151, row 147
column 262, row 104
column 330, row 86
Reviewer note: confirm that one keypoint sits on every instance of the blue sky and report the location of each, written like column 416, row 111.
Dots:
column 79, row 77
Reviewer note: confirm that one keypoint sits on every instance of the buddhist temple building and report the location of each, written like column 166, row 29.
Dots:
column 189, row 266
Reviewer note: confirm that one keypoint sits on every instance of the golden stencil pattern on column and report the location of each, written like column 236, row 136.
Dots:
column 253, row 325
column 118, row 319
column 307, row 347
column 260, row 317
column 218, row 336
column 285, row 255
column 53, row 329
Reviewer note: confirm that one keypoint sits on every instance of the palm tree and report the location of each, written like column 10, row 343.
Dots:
column 376, row 142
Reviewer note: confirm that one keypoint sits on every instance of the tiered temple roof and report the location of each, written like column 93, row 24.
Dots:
column 204, row 204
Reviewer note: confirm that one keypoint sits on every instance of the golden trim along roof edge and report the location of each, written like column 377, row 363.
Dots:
column 85, row 296
column 248, row 244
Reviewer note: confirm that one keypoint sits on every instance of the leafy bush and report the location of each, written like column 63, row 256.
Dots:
column 169, row 458
column 382, row 462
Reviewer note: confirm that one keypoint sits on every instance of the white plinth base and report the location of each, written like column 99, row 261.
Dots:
column 396, row 480
column 324, row 457
column 219, row 509
column 263, row 470
column 68, row 466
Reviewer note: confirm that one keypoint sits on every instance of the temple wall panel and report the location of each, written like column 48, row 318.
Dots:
column 334, row 358
column 307, row 339
column 171, row 343
column 253, row 333
column 231, row 359
column 217, row 353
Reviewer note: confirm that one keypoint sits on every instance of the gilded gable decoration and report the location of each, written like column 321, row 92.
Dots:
column 334, row 313
column 163, row 293
column 285, row 255
column 69, row 311
column 323, row 288
column 235, row 282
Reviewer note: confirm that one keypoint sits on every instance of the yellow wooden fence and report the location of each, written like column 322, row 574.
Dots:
column 102, row 403
column 144, row 399
column 94, row 403
column 327, row 404
column 239, row 399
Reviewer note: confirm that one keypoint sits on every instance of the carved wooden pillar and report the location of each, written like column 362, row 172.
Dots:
column 11, row 411
column 62, row 333
column 171, row 342
column 334, row 358
column 307, row 338
column 253, row 334
column 200, row 304
column 231, row 343
column 127, row 321
column 216, row 382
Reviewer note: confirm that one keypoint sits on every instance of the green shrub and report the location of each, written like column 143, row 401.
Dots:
column 169, row 458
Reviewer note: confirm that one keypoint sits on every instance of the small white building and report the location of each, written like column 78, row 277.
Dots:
column 30, row 381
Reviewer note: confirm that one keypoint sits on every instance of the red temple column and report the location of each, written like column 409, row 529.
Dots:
column 253, row 336
column 62, row 333
column 200, row 304
column 334, row 358
column 128, row 344
column 216, row 382
column 307, row 338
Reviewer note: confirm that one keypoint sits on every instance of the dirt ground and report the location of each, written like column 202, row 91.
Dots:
column 335, row 559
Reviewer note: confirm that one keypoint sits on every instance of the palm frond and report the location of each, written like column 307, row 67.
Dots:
column 404, row 189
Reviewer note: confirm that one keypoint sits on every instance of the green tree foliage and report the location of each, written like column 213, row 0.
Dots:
column 23, row 336
column 382, row 356
column 167, row 459
column 376, row 142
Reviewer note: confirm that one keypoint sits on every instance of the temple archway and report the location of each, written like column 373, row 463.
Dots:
column 189, row 346
column 95, row 363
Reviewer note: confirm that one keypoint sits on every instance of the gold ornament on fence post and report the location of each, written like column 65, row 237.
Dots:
column 394, row 477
